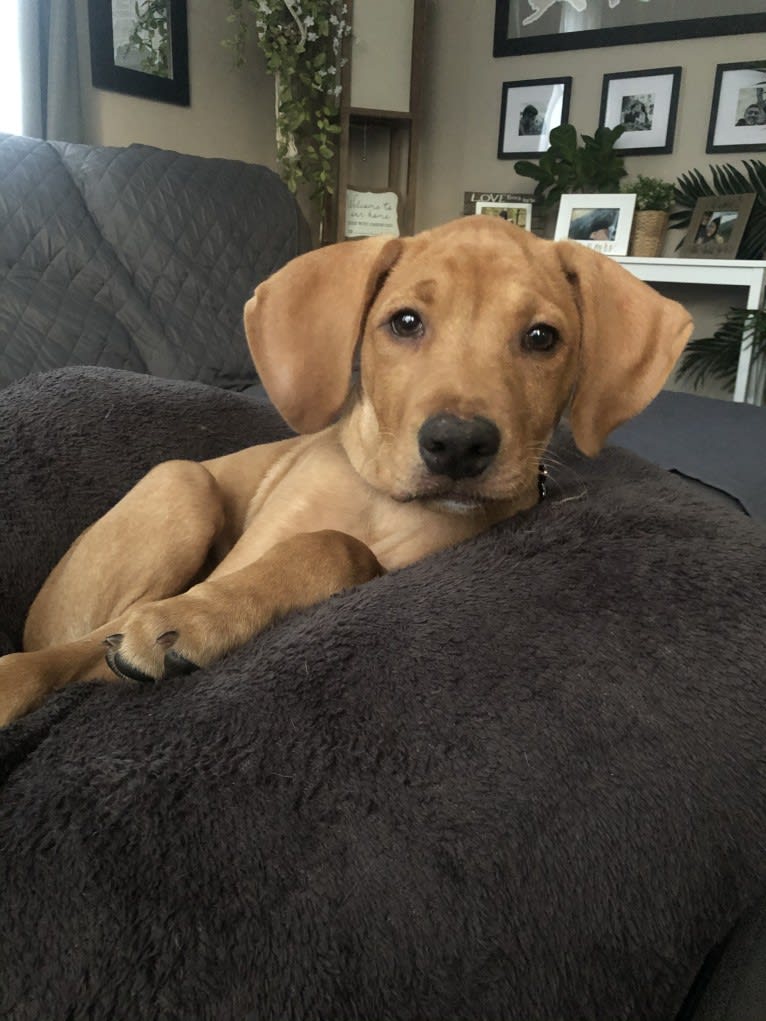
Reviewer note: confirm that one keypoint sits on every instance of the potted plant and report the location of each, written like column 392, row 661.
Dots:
column 717, row 357
column 592, row 165
column 654, row 200
column 302, row 41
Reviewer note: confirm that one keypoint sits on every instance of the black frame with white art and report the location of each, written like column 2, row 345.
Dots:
column 646, row 103
column 529, row 111
column 738, row 88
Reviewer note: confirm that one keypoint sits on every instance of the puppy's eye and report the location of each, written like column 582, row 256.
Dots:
column 406, row 324
column 540, row 338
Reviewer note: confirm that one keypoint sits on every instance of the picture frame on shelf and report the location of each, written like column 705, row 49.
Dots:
column 716, row 227
column 529, row 111
column 140, row 48
column 519, row 213
column 601, row 222
column 646, row 104
column 550, row 26
column 738, row 111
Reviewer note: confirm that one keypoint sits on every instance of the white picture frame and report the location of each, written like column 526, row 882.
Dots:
column 519, row 213
column 601, row 222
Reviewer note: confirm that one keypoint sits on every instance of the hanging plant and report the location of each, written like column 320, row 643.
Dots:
column 727, row 180
column 302, row 41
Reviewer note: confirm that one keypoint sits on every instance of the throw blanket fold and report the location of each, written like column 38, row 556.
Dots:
column 523, row 778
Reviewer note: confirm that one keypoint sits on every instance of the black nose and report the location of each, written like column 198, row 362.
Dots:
column 458, row 447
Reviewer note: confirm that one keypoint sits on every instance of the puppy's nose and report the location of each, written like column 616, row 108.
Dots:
column 458, row 447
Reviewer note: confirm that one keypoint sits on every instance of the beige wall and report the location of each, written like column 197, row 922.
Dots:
column 231, row 113
column 462, row 102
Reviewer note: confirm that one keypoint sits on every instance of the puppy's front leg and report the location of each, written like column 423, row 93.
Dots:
column 177, row 635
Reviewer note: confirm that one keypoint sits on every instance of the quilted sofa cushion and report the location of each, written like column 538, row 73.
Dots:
column 135, row 258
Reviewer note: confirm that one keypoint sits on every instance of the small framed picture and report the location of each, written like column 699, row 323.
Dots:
column 601, row 222
column 645, row 103
column 140, row 48
column 519, row 213
column 738, row 114
column 529, row 111
column 717, row 225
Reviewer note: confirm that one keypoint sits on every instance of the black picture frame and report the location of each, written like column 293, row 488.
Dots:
column 106, row 73
column 732, row 80
column 506, row 149
column 687, row 28
column 659, row 138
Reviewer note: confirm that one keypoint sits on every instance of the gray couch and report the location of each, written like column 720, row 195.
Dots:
column 135, row 258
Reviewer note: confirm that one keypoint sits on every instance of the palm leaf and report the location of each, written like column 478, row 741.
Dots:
column 717, row 357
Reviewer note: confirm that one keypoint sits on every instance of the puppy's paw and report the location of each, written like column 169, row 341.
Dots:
column 158, row 641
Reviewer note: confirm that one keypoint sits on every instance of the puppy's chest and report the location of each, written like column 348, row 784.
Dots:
column 325, row 494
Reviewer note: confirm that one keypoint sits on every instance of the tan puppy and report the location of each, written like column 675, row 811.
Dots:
column 475, row 337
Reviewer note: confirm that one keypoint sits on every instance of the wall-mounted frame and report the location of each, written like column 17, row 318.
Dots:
column 717, row 225
column 519, row 213
column 547, row 26
column 738, row 113
column 645, row 103
column 601, row 222
column 529, row 111
column 140, row 47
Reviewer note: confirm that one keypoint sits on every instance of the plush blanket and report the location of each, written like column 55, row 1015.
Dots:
column 522, row 779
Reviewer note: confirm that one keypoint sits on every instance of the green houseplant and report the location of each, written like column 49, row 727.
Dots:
column 569, row 165
column 716, row 357
column 302, row 41
column 654, row 200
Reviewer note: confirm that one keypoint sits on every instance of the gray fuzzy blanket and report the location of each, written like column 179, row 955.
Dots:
column 523, row 779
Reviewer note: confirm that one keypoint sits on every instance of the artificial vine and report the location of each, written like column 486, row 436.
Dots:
column 302, row 41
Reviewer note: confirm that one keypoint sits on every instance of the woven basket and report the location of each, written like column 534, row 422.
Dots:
column 648, row 232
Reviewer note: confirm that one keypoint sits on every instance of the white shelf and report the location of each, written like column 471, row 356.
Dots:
column 713, row 273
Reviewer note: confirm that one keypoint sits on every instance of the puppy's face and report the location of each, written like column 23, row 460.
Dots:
column 468, row 358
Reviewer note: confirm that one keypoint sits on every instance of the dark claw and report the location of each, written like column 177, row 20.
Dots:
column 123, row 669
column 177, row 665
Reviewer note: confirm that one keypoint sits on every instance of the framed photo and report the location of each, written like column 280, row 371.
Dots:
column 519, row 213
column 140, row 47
column 645, row 103
column 529, row 111
column 738, row 114
column 601, row 222
column 549, row 26
column 717, row 225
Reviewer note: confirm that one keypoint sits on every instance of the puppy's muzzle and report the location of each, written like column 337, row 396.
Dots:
column 459, row 448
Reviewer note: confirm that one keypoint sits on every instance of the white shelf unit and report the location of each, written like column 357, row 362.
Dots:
column 714, row 273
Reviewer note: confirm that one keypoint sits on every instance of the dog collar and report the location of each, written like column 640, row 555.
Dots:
column 542, row 482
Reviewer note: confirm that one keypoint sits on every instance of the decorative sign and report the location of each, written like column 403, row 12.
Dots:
column 369, row 213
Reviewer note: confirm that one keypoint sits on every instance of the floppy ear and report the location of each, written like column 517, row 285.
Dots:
column 631, row 337
column 303, row 324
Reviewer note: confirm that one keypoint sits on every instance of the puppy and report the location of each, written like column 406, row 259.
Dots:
column 473, row 340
